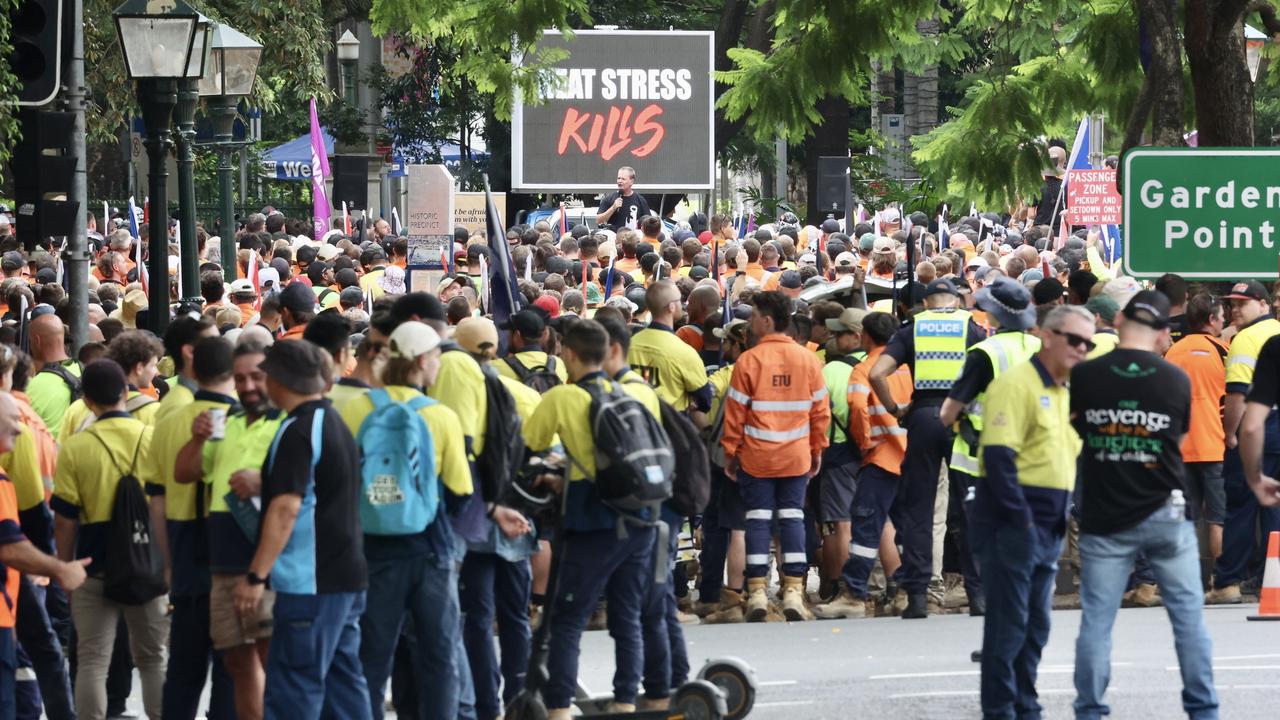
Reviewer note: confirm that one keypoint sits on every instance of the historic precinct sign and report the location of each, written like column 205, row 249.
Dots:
column 1211, row 213
column 622, row 97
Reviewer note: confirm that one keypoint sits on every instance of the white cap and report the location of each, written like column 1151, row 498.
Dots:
column 243, row 285
column 413, row 339
column 269, row 275
column 977, row 262
column 846, row 259
column 327, row 252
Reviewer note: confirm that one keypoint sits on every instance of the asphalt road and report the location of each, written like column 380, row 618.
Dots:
column 921, row 669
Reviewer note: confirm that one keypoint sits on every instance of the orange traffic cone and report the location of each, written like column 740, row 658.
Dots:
column 1269, row 602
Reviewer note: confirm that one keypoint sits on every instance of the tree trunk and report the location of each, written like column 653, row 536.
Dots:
column 926, row 111
column 728, row 33
column 1214, row 41
column 1161, row 98
column 831, row 137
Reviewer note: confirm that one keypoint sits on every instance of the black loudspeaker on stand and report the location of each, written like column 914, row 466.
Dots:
column 350, row 181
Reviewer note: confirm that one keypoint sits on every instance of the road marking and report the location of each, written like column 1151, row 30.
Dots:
column 783, row 704
column 968, row 693
column 1250, row 687
column 960, row 673
column 1231, row 667
column 777, row 683
column 1230, row 658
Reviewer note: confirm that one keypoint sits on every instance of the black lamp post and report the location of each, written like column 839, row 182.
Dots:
column 185, row 118
column 157, row 40
column 228, row 76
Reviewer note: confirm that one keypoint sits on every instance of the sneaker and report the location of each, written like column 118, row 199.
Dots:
column 1229, row 595
column 917, row 607
column 793, row 607
column 845, row 606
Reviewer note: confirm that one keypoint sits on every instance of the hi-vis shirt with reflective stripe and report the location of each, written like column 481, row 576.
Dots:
column 882, row 441
column 1003, row 350
column 776, row 410
column 939, row 337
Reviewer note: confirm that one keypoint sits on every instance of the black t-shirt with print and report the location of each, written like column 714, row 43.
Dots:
column 628, row 216
column 1131, row 409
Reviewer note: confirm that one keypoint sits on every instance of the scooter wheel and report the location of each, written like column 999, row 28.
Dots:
column 698, row 700
column 738, row 687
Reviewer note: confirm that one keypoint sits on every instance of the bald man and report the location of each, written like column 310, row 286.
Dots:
column 56, row 383
column 703, row 301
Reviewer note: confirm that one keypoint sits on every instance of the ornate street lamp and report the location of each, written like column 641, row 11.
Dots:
column 228, row 76
column 157, row 38
column 185, row 118
column 348, row 58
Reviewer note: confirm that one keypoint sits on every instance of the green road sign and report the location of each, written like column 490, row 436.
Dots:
column 1211, row 213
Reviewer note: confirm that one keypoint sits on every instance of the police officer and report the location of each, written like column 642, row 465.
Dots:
column 933, row 345
column 1011, row 314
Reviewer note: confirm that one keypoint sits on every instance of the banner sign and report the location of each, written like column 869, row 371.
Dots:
column 1092, row 198
column 1206, row 213
column 469, row 209
column 643, row 99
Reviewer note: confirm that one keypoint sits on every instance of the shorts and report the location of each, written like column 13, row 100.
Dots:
column 732, row 511
column 835, row 492
column 227, row 628
column 1205, row 486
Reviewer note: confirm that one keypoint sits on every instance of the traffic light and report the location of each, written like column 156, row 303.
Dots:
column 36, row 57
column 43, row 164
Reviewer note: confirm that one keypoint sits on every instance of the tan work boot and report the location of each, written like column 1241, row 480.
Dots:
column 845, row 605
column 955, row 595
column 1229, row 595
column 620, row 707
column 793, row 600
column 757, row 600
column 559, row 714
column 730, row 610
column 646, row 703
column 899, row 603
column 1144, row 595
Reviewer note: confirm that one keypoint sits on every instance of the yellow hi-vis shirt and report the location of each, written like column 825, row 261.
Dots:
column 1025, row 414
column 530, row 359
column 459, row 386
column 668, row 364
column 78, row 416
column 1243, row 356
column 50, row 397
column 22, row 464
column 244, row 446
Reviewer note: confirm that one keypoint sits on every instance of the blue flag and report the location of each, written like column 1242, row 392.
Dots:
column 505, row 296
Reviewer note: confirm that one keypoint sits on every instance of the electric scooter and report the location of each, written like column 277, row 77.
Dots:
column 724, row 689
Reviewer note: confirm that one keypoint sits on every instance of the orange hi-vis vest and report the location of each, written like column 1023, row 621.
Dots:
column 10, row 531
column 882, row 441
column 777, row 410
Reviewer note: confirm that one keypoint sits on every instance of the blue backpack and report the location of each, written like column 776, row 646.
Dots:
column 399, row 491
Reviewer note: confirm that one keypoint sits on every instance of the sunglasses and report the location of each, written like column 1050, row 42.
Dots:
column 1075, row 340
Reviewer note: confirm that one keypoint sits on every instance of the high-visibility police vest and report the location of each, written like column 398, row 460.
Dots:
column 939, row 337
column 1003, row 350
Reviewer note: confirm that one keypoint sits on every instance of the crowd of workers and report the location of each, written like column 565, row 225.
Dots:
column 292, row 494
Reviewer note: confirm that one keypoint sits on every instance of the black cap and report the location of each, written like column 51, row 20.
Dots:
column 1150, row 308
column 104, row 382
column 298, row 298
column 346, row 278
column 1248, row 290
column 941, row 286
column 791, row 280
column 528, row 322
column 46, row 276
column 351, row 297
column 13, row 260
column 296, row 364
column 697, row 272
column 830, row 225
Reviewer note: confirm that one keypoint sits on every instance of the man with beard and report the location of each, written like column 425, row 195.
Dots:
column 219, row 461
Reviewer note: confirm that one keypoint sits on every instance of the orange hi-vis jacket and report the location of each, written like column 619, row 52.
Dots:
column 776, row 410
column 882, row 441
column 10, row 532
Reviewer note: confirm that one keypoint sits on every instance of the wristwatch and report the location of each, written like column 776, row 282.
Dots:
column 253, row 579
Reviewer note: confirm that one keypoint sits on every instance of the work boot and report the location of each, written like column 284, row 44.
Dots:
column 730, row 609
column 620, row 707
column 1144, row 595
column 1229, row 595
column 757, row 600
column 844, row 605
column 899, row 603
column 646, row 703
column 978, row 606
column 955, row 595
column 793, row 600
column 917, row 607
column 559, row 713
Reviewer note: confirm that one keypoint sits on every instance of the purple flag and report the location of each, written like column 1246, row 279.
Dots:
column 320, row 209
